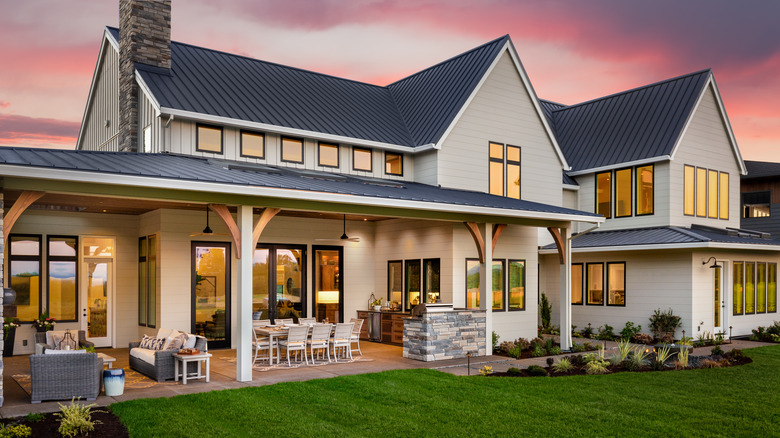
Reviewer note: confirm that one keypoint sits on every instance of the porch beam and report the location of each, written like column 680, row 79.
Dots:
column 265, row 217
column 559, row 243
column 243, row 340
column 497, row 230
column 26, row 199
column 478, row 240
column 222, row 211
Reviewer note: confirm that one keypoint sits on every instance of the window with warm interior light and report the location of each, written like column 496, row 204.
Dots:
column 705, row 193
column 623, row 201
column 328, row 155
column 595, row 283
column 496, row 170
column 689, row 194
column 394, row 164
column 498, row 284
column 252, row 144
column 147, row 281
column 512, row 172
column 737, row 288
column 413, row 283
column 604, row 194
column 644, row 190
column 701, row 192
column 432, row 280
column 24, row 260
column 724, row 195
column 712, row 193
column 516, row 284
column 576, row 283
column 616, row 283
column 756, row 204
column 395, row 281
column 361, row 159
column 209, row 139
column 62, row 283
column 292, row 150
column 472, row 283
column 754, row 288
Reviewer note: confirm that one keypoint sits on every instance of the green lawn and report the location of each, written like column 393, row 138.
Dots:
column 737, row 401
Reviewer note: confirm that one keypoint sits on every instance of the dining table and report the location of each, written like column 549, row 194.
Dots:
column 275, row 332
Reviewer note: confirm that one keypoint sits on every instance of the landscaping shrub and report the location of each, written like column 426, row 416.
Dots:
column 636, row 359
column 523, row 344
column 704, row 338
column 642, row 338
column 538, row 351
column 577, row 348
column 666, row 338
column 682, row 358
column 709, row 363
column 76, row 419
column 537, row 371
column 506, row 346
column 563, row 366
column 550, row 361
column 556, row 350
column 486, row 370
column 545, row 311
column 663, row 322
column 624, row 347
column 716, row 351
column 630, row 330
column 14, row 431
column 736, row 354
column 514, row 372
column 515, row 352
column 587, row 332
column 661, row 356
column 549, row 344
column 597, row 367
column 34, row 417
column 495, row 341
column 590, row 347
column 536, row 342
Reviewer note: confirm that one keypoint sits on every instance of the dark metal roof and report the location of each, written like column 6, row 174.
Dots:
column 411, row 112
column 548, row 106
column 761, row 169
column 633, row 125
column 189, row 168
column 666, row 236
column 569, row 180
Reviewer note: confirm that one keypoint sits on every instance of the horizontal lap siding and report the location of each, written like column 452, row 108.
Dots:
column 502, row 111
column 104, row 106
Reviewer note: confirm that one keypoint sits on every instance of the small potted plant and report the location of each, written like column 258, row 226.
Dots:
column 44, row 323
column 377, row 304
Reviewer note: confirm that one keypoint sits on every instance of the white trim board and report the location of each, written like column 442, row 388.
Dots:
column 620, row 165
column 659, row 246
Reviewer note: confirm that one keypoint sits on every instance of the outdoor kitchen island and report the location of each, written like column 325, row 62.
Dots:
column 389, row 329
column 440, row 332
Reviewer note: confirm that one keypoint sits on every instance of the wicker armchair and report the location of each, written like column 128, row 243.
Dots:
column 64, row 376
column 41, row 345
column 163, row 367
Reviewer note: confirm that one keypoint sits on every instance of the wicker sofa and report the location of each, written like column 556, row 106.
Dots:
column 41, row 344
column 64, row 376
column 159, row 364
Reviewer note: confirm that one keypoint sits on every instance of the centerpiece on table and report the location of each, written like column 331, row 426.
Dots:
column 44, row 323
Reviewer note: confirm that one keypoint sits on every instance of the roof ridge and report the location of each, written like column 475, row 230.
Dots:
column 633, row 90
column 552, row 102
column 505, row 37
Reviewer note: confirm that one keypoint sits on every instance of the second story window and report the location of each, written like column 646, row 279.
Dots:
column 209, row 139
column 361, row 159
column 394, row 164
column 632, row 190
column 756, row 204
column 604, row 194
column 705, row 193
column 252, row 144
column 328, row 155
column 623, row 193
column 644, row 190
column 504, row 170
column 292, row 150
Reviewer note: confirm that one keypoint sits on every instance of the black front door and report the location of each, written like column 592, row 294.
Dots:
column 211, row 292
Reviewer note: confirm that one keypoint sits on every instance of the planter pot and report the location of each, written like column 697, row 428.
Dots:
column 8, row 346
column 114, row 381
column 41, row 329
column 377, row 308
column 9, row 296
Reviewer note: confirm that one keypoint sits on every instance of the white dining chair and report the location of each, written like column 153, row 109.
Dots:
column 296, row 341
column 262, row 344
column 341, row 340
column 355, row 338
column 306, row 320
column 320, row 337
column 285, row 321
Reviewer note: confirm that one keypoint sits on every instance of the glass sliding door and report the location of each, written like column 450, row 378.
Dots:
column 211, row 292
column 328, row 291
column 279, row 282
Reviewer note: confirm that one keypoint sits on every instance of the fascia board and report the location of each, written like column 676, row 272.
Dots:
column 620, row 165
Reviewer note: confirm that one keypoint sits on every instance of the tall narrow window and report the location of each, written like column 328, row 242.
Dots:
column 738, row 278
column 209, row 139
column 25, row 272
column 62, row 286
column 361, row 159
column 472, row 283
column 498, row 284
column 148, row 139
column 394, row 164
column 432, row 280
column 147, row 281
column 496, row 169
column 771, row 298
column 623, row 192
column 604, row 194
column 517, row 285
column 689, row 193
column 644, row 190
column 595, row 282
column 395, row 281
column 750, row 288
column 252, row 144
column 616, row 281
column 576, row 283
column 701, row 192
column 292, row 150
column 724, row 195
column 760, row 287
column 513, row 172
column 413, row 283
column 712, row 193
column 328, row 155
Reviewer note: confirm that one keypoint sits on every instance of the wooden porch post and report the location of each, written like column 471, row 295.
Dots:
column 486, row 286
column 244, row 302
column 565, row 305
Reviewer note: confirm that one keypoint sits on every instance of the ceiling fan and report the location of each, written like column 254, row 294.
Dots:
column 207, row 231
column 344, row 237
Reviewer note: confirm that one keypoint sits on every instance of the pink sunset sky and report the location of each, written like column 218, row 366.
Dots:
column 572, row 50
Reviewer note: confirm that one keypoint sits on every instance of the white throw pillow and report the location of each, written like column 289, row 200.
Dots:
column 190, row 343
column 164, row 333
column 170, row 338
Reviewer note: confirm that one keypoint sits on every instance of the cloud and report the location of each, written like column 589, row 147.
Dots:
column 16, row 130
column 4, row 104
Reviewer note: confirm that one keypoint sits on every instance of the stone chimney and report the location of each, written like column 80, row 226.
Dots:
column 144, row 37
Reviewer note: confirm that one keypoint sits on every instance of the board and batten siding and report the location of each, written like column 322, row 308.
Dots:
column 147, row 118
column 124, row 229
column 104, row 106
column 502, row 111
column 705, row 144
column 180, row 138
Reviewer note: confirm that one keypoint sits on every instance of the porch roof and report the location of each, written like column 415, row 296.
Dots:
column 665, row 237
column 168, row 171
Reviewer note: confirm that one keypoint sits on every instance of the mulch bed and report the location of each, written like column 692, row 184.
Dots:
column 109, row 425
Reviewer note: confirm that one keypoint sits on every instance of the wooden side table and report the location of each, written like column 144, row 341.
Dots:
column 200, row 359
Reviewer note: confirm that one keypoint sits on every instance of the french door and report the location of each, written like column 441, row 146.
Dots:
column 97, row 289
column 328, row 283
column 279, row 282
column 211, row 292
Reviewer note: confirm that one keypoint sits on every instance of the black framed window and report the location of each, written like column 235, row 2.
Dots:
column 689, row 190
column 595, row 284
column 328, row 155
column 292, row 150
column 147, row 281
column 362, row 159
column 24, row 259
column 645, row 193
column 516, row 284
column 395, row 281
column 604, row 194
column 756, row 204
column 412, row 283
column 496, row 168
column 472, row 283
column 62, row 280
column 512, row 172
column 208, row 138
column 623, row 193
column 394, row 164
column 577, row 277
column 616, row 283
column 499, row 285
column 252, row 144
column 432, row 280
column 738, row 278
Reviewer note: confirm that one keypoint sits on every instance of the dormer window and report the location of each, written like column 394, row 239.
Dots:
column 328, row 155
column 394, row 164
column 209, row 139
column 361, row 159
column 252, row 144
column 292, row 150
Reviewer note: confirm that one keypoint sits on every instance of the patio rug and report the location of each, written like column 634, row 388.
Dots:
column 133, row 380
column 283, row 365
